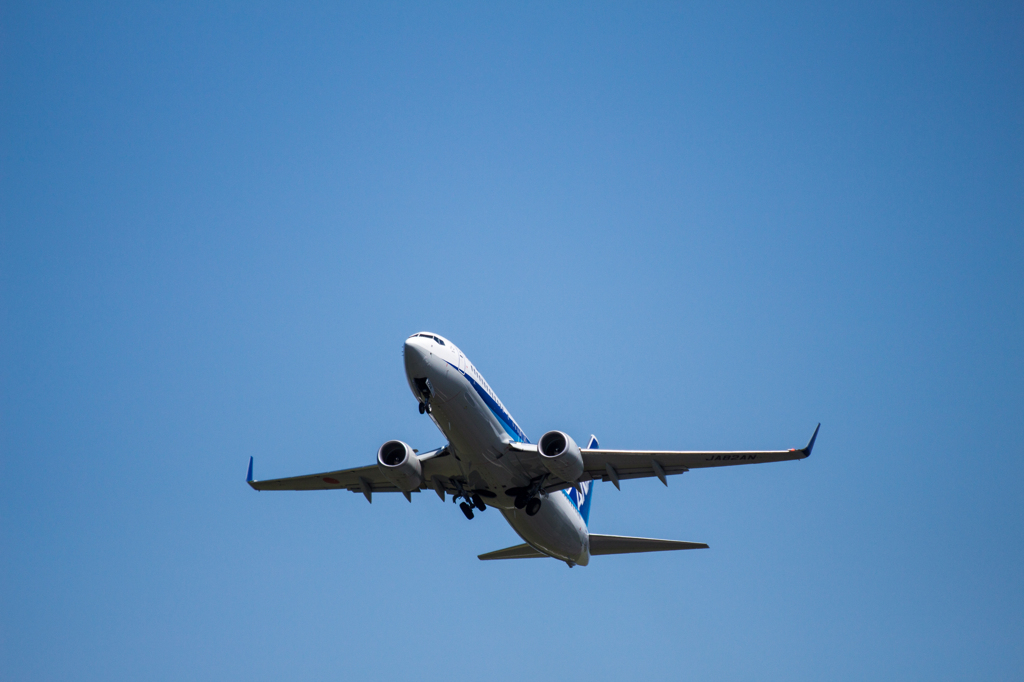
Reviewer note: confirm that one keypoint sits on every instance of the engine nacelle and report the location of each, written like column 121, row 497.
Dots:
column 400, row 465
column 561, row 455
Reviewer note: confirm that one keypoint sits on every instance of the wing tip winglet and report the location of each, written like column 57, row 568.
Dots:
column 810, row 443
column 248, row 475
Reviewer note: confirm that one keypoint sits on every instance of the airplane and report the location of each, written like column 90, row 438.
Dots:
column 543, row 490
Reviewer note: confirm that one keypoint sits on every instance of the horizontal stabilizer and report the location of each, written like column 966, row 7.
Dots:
column 600, row 544
column 518, row 552
column 620, row 544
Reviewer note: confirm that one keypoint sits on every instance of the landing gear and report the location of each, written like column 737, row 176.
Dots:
column 471, row 499
column 533, row 506
column 528, row 498
column 426, row 392
column 530, row 504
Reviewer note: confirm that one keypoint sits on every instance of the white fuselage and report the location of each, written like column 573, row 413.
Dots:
column 479, row 430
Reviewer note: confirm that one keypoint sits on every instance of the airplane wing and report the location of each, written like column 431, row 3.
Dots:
column 366, row 480
column 616, row 465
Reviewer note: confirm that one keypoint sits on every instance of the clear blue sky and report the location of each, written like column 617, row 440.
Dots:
column 672, row 225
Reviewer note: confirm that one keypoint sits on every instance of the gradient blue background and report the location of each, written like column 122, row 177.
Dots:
column 672, row 225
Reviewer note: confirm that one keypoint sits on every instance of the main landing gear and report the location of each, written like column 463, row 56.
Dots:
column 471, row 500
column 528, row 498
column 533, row 506
column 530, row 504
column 425, row 407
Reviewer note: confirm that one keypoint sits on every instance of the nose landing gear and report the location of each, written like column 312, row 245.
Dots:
column 425, row 391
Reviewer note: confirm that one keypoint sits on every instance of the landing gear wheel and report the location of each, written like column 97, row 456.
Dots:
column 423, row 408
column 521, row 500
column 428, row 407
column 478, row 502
column 467, row 510
column 533, row 506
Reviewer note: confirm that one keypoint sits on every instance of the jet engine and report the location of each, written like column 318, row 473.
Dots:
column 561, row 455
column 400, row 465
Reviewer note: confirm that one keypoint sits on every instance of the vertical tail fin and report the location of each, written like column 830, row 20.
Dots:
column 587, row 488
column 581, row 493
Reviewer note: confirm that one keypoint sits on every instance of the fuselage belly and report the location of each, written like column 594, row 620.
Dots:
column 479, row 431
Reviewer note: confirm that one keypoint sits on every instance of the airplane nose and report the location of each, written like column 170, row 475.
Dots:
column 416, row 358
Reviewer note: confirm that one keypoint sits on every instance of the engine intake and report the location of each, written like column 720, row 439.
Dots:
column 561, row 455
column 400, row 465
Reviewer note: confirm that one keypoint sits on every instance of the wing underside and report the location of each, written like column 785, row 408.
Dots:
column 438, row 469
column 351, row 479
column 617, row 465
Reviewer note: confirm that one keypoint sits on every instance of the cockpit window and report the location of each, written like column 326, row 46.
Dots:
column 428, row 336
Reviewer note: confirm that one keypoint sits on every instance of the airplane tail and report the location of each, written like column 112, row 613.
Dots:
column 582, row 497
column 599, row 544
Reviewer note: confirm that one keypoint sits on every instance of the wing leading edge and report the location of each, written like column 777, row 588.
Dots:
column 366, row 480
column 616, row 465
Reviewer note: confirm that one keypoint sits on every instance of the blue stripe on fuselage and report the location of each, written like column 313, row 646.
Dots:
column 513, row 430
column 503, row 417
